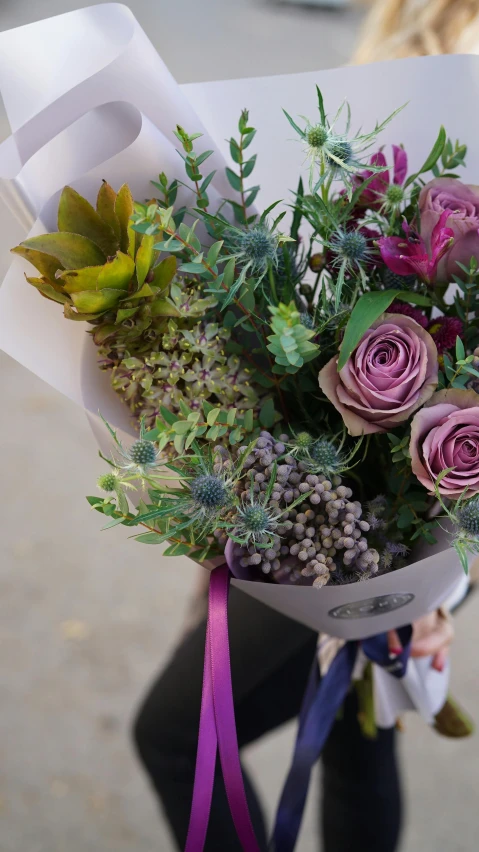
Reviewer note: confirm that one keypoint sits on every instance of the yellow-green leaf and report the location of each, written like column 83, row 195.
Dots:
column 105, row 207
column 77, row 216
column 96, row 301
column 117, row 273
column 123, row 210
column 164, row 272
column 142, row 292
column 78, row 280
column 144, row 257
column 48, row 290
column 73, row 251
column 164, row 308
column 133, row 241
column 70, row 314
column 45, row 263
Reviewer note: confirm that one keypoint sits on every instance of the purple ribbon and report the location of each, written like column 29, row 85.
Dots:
column 322, row 700
column 218, row 728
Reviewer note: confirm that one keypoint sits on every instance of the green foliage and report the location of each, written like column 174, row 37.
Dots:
column 245, row 164
column 210, row 423
column 290, row 340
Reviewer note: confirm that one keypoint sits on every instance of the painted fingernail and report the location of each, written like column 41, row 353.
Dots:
column 394, row 652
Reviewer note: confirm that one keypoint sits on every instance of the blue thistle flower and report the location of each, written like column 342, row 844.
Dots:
column 307, row 320
column 326, row 457
column 209, row 492
column 468, row 516
column 338, row 155
column 256, row 522
column 334, row 154
column 258, row 247
column 141, row 457
column 143, row 453
column 350, row 248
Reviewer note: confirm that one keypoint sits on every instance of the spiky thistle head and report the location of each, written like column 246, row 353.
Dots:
column 332, row 154
column 393, row 197
column 141, row 457
column 468, row 516
column 107, row 482
column 307, row 320
column 300, row 443
column 209, row 492
column 326, row 457
column 256, row 522
column 349, row 248
column 257, row 247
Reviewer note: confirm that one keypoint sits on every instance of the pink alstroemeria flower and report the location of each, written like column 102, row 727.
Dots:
column 375, row 194
column 410, row 255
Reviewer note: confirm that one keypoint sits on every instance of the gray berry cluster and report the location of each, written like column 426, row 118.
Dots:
column 323, row 532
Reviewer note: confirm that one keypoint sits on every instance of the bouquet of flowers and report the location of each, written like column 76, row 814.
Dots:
column 308, row 396
column 300, row 380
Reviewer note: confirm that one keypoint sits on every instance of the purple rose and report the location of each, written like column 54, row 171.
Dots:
column 445, row 434
column 462, row 203
column 390, row 374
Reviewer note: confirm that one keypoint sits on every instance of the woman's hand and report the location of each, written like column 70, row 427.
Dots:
column 432, row 636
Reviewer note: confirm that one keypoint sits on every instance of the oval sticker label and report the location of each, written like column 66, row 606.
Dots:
column 369, row 607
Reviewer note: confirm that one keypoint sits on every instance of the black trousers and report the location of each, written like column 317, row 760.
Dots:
column 271, row 656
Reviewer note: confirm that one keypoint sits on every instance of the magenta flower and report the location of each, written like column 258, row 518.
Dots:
column 381, row 191
column 410, row 254
column 462, row 203
column 444, row 331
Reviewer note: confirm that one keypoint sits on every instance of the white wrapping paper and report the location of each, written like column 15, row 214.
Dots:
column 88, row 98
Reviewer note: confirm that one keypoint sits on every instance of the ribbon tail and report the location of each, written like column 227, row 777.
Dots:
column 224, row 709
column 322, row 701
column 205, row 761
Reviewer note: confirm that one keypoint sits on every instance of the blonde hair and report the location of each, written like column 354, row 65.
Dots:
column 398, row 28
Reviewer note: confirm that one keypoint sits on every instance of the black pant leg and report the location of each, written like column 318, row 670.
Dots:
column 361, row 796
column 270, row 659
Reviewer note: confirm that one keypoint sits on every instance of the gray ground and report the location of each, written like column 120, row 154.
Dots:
column 87, row 619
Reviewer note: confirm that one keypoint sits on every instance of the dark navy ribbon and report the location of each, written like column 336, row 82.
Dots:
column 322, row 700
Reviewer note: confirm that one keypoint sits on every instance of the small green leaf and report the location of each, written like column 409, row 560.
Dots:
column 149, row 538
column 214, row 252
column 433, row 157
column 233, row 179
column 248, row 420
column 235, row 151
column 248, row 138
column 177, row 549
column 321, row 106
column 294, row 125
column 366, row 311
column 267, row 414
column 249, row 166
column 181, row 427
column 212, row 416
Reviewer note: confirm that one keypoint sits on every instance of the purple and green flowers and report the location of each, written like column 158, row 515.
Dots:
column 305, row 391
